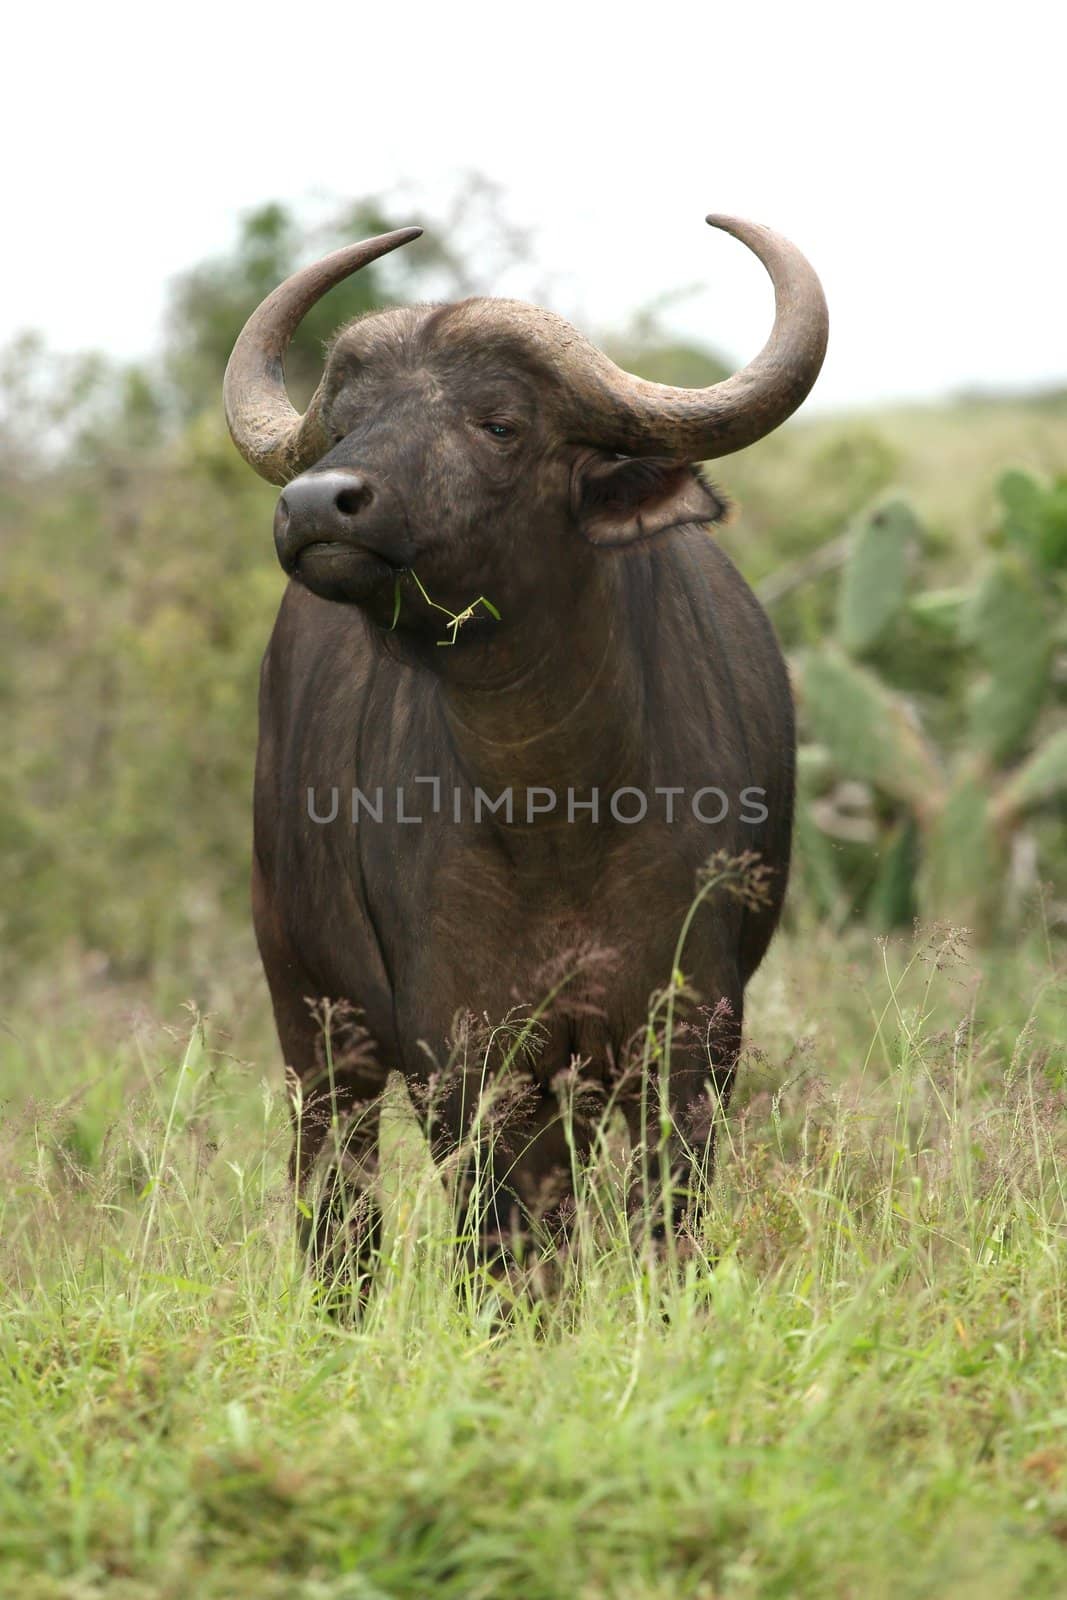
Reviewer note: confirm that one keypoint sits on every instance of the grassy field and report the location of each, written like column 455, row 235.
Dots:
column 857, row 1387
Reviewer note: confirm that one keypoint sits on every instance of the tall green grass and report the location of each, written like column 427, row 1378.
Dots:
column 854, row 1383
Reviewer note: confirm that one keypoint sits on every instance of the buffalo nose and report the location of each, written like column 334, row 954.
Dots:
column 319, row 506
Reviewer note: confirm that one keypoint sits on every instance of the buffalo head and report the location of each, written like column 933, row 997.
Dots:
column 486, row 447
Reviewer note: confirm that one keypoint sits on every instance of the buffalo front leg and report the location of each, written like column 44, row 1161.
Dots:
column 334, row 1171
column 335, row 1087
column 674, row 1154
column 510, row 1156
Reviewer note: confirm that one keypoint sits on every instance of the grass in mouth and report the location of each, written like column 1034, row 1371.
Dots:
column 456, row 619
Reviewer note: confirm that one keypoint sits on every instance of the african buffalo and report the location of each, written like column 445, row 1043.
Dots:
column 508, row 619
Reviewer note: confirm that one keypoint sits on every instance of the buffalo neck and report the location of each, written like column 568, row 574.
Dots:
column 556, row 705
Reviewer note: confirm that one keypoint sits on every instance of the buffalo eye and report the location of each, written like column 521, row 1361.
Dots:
column 499, row 430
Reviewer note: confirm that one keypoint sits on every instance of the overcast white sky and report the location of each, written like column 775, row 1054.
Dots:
column 915, row 151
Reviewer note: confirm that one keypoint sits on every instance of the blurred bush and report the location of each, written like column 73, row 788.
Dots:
column 140, row 588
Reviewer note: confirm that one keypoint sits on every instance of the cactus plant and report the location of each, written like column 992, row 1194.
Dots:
column 875, row 576
column 867, row 729
column 1035, row 519
column 1008, row 625
column 962, row 857
column 924, row 800
column 1041, row 778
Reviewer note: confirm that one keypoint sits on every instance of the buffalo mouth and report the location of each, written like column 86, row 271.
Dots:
column 337, row 570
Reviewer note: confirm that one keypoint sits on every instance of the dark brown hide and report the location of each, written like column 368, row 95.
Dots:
column 629, row 654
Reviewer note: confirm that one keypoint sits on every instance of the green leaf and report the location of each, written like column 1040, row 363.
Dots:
column 817, row 864
column 1042, row 777
column 814, row 767
column 940, row 609
column 961, row 870
column 1020, row 496
column 1035, row 517
column 1053, row 547
column 892, row 903
column 868, row 730
column 1008, row 624
column 875, row 577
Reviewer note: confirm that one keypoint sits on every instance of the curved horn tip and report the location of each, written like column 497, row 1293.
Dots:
column 718, row 219
column 384, row 244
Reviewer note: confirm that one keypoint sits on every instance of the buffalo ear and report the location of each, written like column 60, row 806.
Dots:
column 621, row 500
